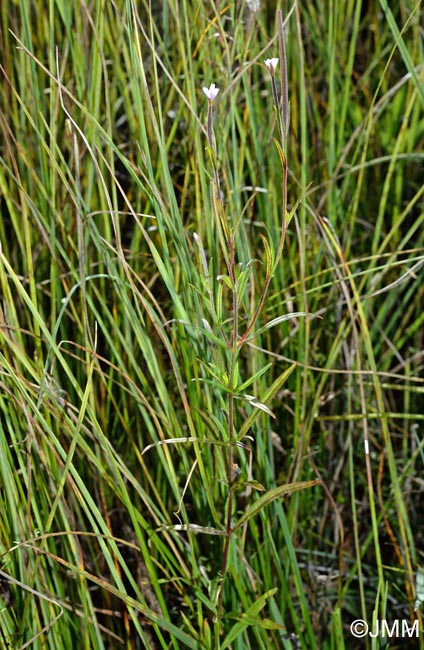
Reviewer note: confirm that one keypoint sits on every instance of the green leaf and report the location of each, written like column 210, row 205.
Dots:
column 206, row 636
column 255, row 485
column 235, row 377
column 209, row 600
column 281, row 153
column 266, row 397
column 268, row 624
column 189, row 626
column 250, row 617
column 290, row 215
column 269, row 257
column 241, row 280
column 218, row 305
column 277, row 321
column 277, row 493
column 228, row 281
column 214, row 589
column 254, row 377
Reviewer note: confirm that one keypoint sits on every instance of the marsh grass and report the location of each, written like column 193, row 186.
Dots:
column 179, row 353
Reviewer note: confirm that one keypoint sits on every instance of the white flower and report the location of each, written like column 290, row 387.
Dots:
column 211, row 92
column 271, row 64
column 253, row 5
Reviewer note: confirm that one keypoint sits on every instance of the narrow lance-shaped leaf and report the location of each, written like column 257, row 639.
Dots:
column 250, row 617
column 269, row 257
column 277, row 321
column 228, row 281
column 266, row 397
column 290, row 215
column 277, row 493
column 256, row 376
column 281, row 153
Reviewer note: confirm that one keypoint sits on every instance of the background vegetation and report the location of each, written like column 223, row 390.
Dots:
column 117, row 333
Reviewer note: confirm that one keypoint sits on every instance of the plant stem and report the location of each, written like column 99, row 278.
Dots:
column 231, row 432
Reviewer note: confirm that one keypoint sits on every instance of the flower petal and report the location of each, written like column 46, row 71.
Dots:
column 271, row 64
column 211, row 92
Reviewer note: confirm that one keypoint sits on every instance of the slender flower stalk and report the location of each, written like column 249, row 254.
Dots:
column 284, row 129
column 216, row 196
column 284, row 82
column 282, row 109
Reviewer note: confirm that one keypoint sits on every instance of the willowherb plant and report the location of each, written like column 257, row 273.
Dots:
column 234, row 339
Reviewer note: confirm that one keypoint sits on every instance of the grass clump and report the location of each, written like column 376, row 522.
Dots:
column 211, row 324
